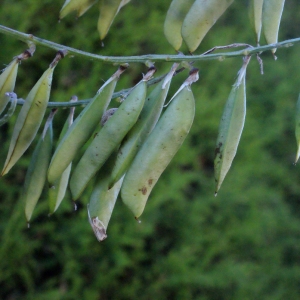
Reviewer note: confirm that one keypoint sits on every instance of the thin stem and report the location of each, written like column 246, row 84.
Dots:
column 143, row 58
column 84, row 102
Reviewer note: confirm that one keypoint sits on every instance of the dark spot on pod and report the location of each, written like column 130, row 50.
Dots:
column 150, row 181
column 218, row 149
column 143, row 190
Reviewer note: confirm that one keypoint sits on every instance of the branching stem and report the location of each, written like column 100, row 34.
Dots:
column 248, row 50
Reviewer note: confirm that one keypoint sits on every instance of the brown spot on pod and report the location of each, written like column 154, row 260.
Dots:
column 143, row 190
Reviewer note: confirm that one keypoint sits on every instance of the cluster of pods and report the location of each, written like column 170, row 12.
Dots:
column 127, row 155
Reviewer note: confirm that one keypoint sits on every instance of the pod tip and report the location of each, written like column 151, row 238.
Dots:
column 138, row 220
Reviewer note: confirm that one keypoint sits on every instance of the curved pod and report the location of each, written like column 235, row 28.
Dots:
column 103, row 199
column 271, row 16
column 29, row 119
column 108, row 10
column 142, row 128
column 230, row 131
column 58, row 190
column 255, row 13
column 201, row 17
column 81, row 6
column 82, row 128
column 36, row 175
column 108, row 139
column 174, row 19
column 7, row 82
column 158, row 150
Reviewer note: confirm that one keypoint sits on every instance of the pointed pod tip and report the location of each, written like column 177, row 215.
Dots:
column 28, row 224
column 216, row 194
column 138, row 220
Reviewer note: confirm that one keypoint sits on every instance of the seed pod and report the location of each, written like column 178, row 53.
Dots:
column 108, row 138
column 36, row 174
column 255, row 13
column 271, row 16
column 297, row 129
column 158, row 150
column 29, row 119
column 201, row 17
column 174, row 19
column 81, row 6
column 12, row 98
column 58, row 190
column 143, row 127
column 108, row 11
column 230, row 130
column 82, row 128
column 103, row 199
column 7, row 82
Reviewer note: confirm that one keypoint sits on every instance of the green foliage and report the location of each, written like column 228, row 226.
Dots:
column 243, row 244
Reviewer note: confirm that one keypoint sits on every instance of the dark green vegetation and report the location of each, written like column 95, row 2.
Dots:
column 242, row 244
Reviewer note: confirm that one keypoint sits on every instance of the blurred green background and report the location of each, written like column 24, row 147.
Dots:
column 242, row 244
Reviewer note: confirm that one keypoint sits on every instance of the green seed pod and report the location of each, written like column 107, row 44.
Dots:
column 58, row 190
column 81, row 6
column 159, row 149
column 230, row 130
column 103, row 199
column 108, row 11
column 7, row 82
column 36, row 174
column 201, row 17
column 174, row 19
column 108, row 138
column 255, row 14
column 82, row 128
column 271, row 16
column 143, row 127
column 29, row 119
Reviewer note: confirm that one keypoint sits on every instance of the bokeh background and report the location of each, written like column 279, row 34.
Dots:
column 242, row 244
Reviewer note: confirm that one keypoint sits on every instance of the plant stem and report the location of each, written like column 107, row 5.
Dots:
column 143, row 58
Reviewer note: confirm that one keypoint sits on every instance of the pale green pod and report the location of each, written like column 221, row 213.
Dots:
column 255, row 13
column 271, row 16
column 37, row 172
column 297, row 129
column 29, row 119
column 142, row 128
column 7, row 82
column 12, row 98
column 58, row 190
column 201, row 17
column 230, row 130
column 108, row 139
column 80, row 6
column 157, row 151
column 174, row 19
column 102, row 200
column 108, row 11
column 82, row 128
